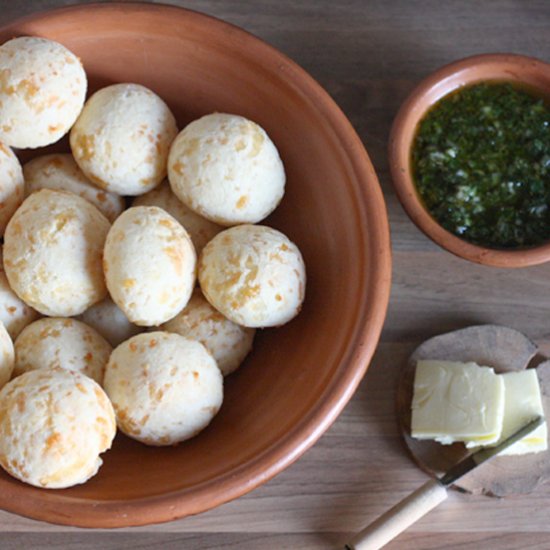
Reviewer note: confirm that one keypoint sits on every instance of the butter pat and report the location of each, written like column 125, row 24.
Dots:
column 457, row 402
column 522, row 404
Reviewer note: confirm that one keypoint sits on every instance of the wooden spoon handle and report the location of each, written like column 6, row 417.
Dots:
column 400, row 517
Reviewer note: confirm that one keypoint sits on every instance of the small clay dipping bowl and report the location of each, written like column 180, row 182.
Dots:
column 531, row 73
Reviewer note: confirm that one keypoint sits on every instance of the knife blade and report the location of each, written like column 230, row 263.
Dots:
column 479, row 457
column 427, row 497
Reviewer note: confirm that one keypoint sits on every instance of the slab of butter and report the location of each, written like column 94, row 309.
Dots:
column 457, row 402
column 522, row 403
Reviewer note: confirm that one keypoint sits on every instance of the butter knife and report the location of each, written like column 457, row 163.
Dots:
column 416, row 505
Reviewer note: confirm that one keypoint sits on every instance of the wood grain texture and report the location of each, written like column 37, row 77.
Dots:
column 369, row 55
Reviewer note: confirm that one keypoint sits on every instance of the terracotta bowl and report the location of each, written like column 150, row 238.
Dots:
column 500, row 67
column 300, row 376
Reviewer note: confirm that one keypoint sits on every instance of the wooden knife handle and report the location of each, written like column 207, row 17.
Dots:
column 400, row 517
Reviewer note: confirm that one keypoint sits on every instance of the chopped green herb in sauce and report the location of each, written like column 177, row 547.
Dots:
column 481, row 163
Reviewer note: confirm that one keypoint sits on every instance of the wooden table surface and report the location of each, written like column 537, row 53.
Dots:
column 368, row 55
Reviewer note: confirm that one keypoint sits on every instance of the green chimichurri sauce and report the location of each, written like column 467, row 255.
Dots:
column 481, row 163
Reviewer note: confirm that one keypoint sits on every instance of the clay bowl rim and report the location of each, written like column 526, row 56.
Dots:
column 76, row 511
column 470, row 70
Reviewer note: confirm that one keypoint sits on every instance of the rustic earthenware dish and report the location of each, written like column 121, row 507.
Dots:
column 501, row 67
column 300, row 376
